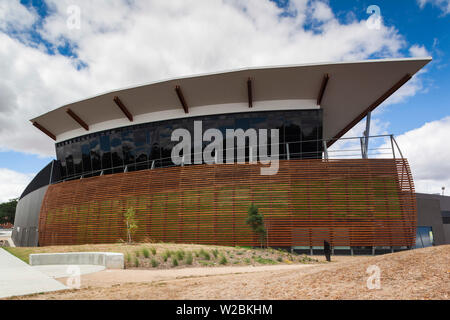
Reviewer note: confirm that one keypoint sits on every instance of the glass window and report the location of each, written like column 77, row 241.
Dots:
column 86, row 155
column 60, row 156
column 116, row 151
column 69, row 159
column 138, row 146
column 105, row 149
column 128, row 149
column 424, row 237
column 95, row 154
column 141, row 140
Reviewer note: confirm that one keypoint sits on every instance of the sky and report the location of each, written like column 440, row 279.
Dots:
column 47, row 60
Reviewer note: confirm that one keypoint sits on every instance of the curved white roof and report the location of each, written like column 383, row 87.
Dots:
column 353, row 89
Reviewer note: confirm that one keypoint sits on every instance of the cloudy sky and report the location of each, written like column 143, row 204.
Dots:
column 46, row 63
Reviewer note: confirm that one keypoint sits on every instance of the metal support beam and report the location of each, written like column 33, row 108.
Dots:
column 48, row 133
column 75, row 117
column 366, row 135
column 181, row 98
column 124, row 109
column 323, row 87
column 250, row 93
column 288, row 156
column 325, row 149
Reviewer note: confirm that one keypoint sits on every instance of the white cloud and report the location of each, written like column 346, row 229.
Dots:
column 12, row 184
column 443, row 5
column 15, row 17
column 428, row 155
column 348, row 148
column 127, row 42
column 418, row 51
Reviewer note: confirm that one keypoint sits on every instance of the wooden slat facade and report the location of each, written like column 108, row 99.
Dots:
column 358, row 202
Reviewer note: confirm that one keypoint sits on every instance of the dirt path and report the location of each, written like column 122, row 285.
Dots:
column 107, row 278
column 414, row 274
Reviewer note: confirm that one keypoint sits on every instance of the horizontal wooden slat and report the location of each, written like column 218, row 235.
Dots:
column 361, row 202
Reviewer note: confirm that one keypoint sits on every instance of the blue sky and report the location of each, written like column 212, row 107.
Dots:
column 421, row 23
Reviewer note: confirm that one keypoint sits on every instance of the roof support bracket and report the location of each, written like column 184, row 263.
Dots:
column 181, row 98
column 48, row 133
column 123, row 108
column 250, row 93
column 75, row 117
column 323, row 87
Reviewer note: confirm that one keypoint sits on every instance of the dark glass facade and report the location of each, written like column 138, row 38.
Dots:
column 142, row 146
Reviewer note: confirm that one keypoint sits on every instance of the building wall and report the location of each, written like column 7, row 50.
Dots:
column 25, row 232
column 359, row 202
column 430, row 209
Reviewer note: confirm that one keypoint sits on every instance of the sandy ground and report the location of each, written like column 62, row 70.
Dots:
column 415, row 274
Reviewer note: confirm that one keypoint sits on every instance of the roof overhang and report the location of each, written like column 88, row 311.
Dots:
column 345, row 90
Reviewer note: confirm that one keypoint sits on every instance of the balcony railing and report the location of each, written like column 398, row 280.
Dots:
column 383, row 146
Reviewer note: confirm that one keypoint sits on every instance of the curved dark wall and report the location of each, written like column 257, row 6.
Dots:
column 26, row 222
column 49, row 174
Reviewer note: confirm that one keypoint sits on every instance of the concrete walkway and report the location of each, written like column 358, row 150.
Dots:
column 63, row 270
column 18, row 278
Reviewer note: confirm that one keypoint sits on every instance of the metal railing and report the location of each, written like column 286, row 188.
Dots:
column 385, row 146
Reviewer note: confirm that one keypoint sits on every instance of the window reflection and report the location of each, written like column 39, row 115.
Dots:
column 141, row 146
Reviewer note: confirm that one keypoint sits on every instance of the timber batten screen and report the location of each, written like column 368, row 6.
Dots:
column 359, row 202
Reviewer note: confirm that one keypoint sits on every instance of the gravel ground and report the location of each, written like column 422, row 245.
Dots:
column 414, row 274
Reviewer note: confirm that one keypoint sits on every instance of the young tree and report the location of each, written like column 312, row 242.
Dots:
column 256, row 222
column 130, row 223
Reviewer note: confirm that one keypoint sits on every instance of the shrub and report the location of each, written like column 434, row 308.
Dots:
column 175, row 262
column 137, row 253
column 165, row 256
column 136, row 262
column 247, row 260
column 279, row 259
column 223, row 260
column 154, row 263
column 189, row 258
column 179, row 254
column 205, row 254
column 146, row 253
column 153, row 251
column 215, row 253
column 128, row 257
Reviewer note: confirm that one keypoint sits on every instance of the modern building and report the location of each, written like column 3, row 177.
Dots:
column 114, row 152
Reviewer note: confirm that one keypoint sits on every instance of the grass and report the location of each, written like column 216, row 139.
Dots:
column 262, row 260
column 175, row 262
column 21, row 253
column 215, row 253
column 153, row 250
